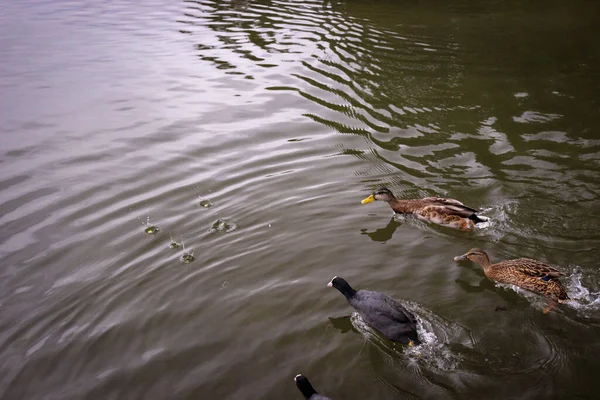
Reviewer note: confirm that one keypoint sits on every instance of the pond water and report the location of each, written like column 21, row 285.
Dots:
column 180, row 180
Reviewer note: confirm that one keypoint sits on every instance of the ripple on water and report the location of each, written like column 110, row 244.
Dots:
column 206, row 203
column 583, row 299
column 440, row 340
column 435, row 364
column 151, row 230
column 187, row 257
column 404, row 103
column 223, row 226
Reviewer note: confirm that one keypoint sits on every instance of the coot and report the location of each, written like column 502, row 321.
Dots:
column 307, row 390
column 381, row 312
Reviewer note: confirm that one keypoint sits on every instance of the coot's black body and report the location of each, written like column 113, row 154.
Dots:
column 381, row 312
column 307, row 390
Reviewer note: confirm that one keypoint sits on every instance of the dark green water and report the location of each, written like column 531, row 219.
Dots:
column 285, row 114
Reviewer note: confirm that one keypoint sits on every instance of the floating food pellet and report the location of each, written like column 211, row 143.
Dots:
column 151, row 230
column 187, row 258
column 206, row 203
column 174, row 245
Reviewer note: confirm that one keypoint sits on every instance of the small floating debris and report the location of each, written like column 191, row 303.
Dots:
column 151, row 230
column 187, row 258
column 206, row 203
column 174, row 245
column 224, row 226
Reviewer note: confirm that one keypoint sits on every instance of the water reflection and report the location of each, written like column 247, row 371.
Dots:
column 469, row 287
column 383, row 234
column 281, row 113
column 342, row 324
column 417, row 95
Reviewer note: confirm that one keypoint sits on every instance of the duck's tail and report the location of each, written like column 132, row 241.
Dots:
column 478, row 218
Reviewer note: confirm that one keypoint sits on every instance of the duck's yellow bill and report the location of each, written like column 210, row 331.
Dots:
column 368, row 200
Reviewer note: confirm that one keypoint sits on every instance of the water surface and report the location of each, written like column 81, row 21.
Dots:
column 247, row 132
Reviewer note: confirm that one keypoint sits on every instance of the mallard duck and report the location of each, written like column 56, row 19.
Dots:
column 438, row 210
column 532, row 275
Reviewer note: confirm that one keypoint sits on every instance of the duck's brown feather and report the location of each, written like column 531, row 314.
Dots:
column 441, row 205
column 529, row 274
column 439, row 210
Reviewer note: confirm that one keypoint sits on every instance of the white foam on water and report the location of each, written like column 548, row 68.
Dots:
column 488, row 220
column 535, row 299
column 498, row 218
column 435, row 334
column 400, row 217
column 484, row 225
column 582, row 298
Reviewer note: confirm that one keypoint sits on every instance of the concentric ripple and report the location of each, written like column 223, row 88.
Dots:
column 134, row 133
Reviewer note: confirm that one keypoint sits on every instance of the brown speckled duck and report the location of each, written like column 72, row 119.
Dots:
column 525, row 273
column 448, row 212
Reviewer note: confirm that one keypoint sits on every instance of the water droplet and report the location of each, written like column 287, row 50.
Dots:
column 187, row 258
column 151, row 230
column 174, row 245
column 206, row 203
column 222, row 225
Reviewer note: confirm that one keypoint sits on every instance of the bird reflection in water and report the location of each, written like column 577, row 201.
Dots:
column 343, row 324
column 383, row 234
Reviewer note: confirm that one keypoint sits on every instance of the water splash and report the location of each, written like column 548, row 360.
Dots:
column 206, row 203
column 498, row 218
column 437, row 336
column 536, row 300
column 488, row 221
column 582, row 298
column 224, row 226
column 173, row 244
column 188, row 256
column 150, row 229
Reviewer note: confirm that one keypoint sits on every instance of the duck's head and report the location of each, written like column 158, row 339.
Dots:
column 382, row 194
column 475, row 255
column 304, row 386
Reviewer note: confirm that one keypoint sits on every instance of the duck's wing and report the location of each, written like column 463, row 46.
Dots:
column 446, row 208
column 442, row 200
column 452, row 205
column 534, row 268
